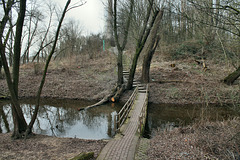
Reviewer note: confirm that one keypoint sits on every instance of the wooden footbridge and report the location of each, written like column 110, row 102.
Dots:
column 129, row 125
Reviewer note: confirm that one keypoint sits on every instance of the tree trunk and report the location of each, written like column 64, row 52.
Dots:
column 120, row 68
column 122, row 46
column 141, row 42
column 29, row 130
column 150, row 48
column 133, row 68
column 21, row 128
column 147, row 61
column 232, row 77
column 17, row 45
column 0, row 67
column 183, row 20
column 20, row 125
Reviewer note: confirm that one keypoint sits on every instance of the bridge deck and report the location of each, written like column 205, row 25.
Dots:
column 123, row 146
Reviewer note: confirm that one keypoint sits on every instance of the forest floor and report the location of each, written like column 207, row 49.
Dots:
column 92, row 79
column 205, row 140
column 45, row 147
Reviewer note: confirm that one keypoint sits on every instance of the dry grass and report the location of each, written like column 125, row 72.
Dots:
column 204, row 140
column 188, row 83
column 78, row 77
column 45, row 147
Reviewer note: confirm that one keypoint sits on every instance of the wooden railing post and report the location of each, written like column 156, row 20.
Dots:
column 123, row 113
column 142, row 116
column 115, row 123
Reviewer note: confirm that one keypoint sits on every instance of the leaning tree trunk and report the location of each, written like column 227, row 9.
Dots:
column 150, row 48
column 19, row 121
column 30, row 126
column 147, row 61
column 120, row 68
column 141, row 42
column 232, row 77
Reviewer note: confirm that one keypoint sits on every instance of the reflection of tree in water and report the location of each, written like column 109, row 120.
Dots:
column 94, row 118
column 58, row 120
column 61, row 119
column 4, row 114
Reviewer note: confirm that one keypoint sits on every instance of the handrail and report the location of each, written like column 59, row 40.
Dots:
column 142, row 116
column 121, row 116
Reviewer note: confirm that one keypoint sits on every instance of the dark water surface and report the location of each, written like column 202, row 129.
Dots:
column 168, row 116
column 62, row 119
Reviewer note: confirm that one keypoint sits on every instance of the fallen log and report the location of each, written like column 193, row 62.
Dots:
column 118, row 93
column 106, row 99
column 230, row 79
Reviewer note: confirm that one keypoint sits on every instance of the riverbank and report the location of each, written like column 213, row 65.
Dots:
column 92, row 79
column 203, row 140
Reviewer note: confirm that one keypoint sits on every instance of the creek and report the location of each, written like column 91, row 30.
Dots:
column 62, row 119
column 168, row 116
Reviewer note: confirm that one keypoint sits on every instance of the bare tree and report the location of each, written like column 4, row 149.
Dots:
column 183, row 19
column 20, row 124
column 21, row 129
column 71, row 42
column 224, row 16
column 43, row 42
column 33, row 18
column 151, row 46
column 121, row 30
column 121, row 47
column 141, row 40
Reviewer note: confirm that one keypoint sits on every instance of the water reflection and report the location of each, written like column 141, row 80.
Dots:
column 169, row 116
column 61, row 118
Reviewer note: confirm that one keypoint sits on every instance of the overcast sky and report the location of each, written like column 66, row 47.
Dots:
column 90, row 15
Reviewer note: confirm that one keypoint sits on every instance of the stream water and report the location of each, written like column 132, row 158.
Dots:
column 62, row 119
column 168, row 116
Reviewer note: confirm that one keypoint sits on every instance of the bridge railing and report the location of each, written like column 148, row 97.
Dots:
column 143, row 113
column 122, row 115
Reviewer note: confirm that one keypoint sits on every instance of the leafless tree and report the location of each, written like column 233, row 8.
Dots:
column 150, row 47
column 21, row 128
